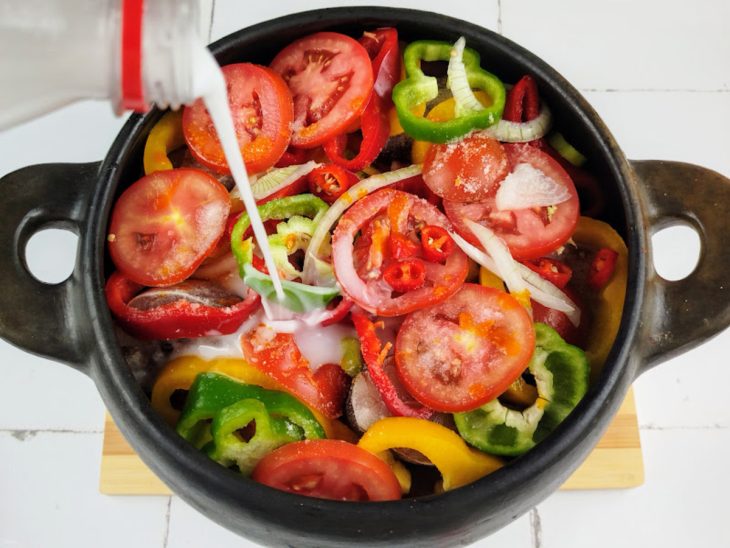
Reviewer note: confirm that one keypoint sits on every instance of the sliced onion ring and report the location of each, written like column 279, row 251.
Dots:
column 312, row 274
column 521, row 132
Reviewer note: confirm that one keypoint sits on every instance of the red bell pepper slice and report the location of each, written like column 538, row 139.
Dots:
column 176, row 319
column 382, row 46
column 554, row 271
column 293, row 156
column 405, row 275
column 374, row 355
column 602, row 268
column 437, row 244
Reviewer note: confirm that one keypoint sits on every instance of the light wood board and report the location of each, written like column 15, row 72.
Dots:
column 615, row 463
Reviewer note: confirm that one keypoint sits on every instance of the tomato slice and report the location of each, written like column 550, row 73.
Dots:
column 359, row 267
column 464, row 352
column 328, row 469
column 165, row 224
column 529, row 233
column 278, row 355
column 466, row 171
column 262, row 111
column 330, row 77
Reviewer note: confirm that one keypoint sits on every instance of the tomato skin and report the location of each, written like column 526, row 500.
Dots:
column 262, row 109
column 528, row 234
column 328, row 469
column 315, row 68
column 165, row 224
column 465, row 171
column 363, row 283
column 464, row 352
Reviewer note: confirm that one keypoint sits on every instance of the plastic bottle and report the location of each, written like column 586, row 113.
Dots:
column 131, row 52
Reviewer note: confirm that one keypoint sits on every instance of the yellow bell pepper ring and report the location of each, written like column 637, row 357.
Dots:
column 166, row 135
column 458, row 463
column 179, row 374
column 594, row 234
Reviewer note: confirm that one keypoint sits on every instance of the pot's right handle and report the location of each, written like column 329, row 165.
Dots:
column 44, row 319
column 681, row 314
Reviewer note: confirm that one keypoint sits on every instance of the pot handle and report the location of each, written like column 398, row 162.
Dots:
column 681, row 314
column 38, row 317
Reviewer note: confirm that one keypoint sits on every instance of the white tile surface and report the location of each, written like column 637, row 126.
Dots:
column 189, row 529
column 48, row 483
column 683, row 502
column 627, row 44
column 49, row 498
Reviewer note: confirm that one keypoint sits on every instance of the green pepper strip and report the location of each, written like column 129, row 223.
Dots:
column 418, row 88
column 267, row 433
column 212, row 392
column 561, row 373
column 298, row 296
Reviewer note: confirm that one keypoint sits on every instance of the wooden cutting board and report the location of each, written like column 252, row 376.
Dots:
column 615, row 463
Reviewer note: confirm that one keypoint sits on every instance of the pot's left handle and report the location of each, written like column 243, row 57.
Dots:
column 35, row 316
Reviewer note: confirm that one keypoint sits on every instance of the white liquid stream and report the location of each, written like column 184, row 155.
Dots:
column 210, row 85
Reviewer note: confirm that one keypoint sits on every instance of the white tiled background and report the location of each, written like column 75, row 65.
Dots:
column 658, row 71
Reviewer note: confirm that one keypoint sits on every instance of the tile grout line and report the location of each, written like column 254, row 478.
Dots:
column 167, row 523
column 658, row 428
column 22, row 434
column 499, row 17
column 536, row 526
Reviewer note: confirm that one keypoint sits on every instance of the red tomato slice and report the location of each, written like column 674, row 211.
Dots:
column 278, row 355
column 361, row 274
column 465, row 171
column 529, row 233
column 262, row 111
column 330, row 77
column 328, row 469
column 464, row 352
column 165, row 224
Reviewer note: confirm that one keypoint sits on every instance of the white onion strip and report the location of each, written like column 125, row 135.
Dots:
column 499, row 252
column 521, row 132
column 541, row 290
column 458, row 83
column 335, row 211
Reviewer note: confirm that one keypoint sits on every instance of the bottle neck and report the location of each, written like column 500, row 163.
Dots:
column 159, row 40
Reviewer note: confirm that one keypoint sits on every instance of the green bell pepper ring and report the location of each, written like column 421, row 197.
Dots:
column 212, row 392
column 561, row 373
column 267, row 433
column 290, row 237
column 418, row 88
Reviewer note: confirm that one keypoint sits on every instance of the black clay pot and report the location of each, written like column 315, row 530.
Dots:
column 70, row 321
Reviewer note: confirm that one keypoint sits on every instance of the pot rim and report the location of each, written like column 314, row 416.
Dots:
column 143, row 426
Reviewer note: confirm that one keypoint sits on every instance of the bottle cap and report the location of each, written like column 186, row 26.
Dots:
column 132, row 88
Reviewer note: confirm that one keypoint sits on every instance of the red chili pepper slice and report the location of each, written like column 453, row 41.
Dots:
column 374, row 355
column 174, row 318
column 402, row 247
column 405, row 275
column 436, row 243
column 382, row 47
column 602, row 267
column 556, row 272
column 523, row 101
column 330, row 182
